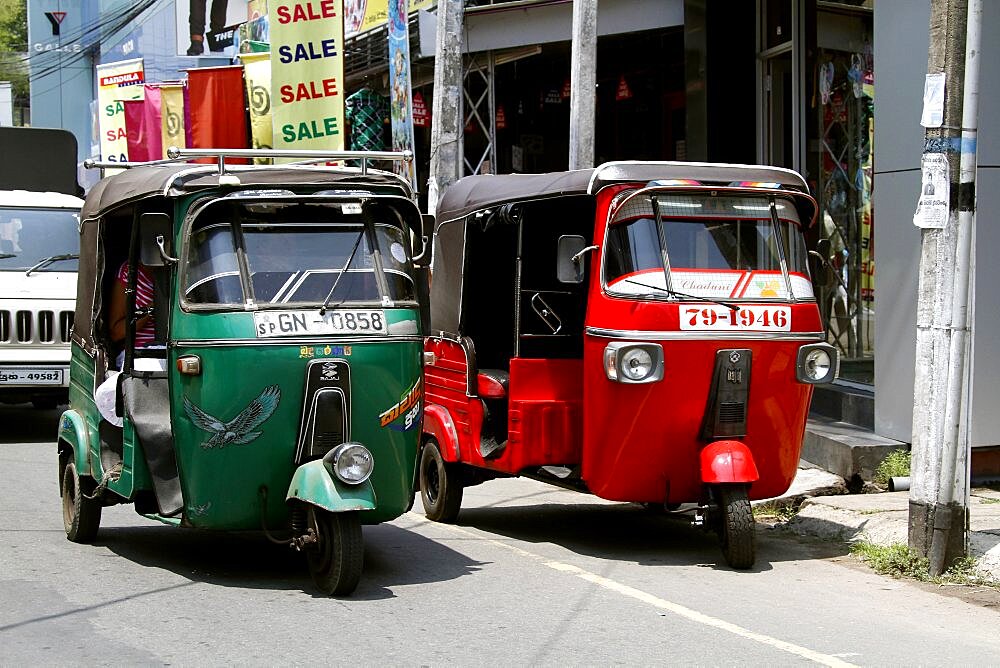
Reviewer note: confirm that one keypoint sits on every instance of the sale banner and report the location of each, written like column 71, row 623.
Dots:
column 307, row 74
column 215, row 109
column 117, row 82
column 172, row 116
column 257, row 75
column 144, row 126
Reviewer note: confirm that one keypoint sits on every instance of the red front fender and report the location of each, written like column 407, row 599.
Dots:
column 727, row 461
column 438, row 423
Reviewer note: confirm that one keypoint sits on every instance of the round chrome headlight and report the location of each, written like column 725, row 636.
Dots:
column 636, row 363
column 633, row 362
column 817, row 363
column 352, row 463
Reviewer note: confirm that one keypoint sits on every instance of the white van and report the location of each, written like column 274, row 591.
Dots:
column 39, row 246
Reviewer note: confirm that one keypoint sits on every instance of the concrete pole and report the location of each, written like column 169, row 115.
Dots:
column 939, row 492
column 583, row 85
column 446, row 110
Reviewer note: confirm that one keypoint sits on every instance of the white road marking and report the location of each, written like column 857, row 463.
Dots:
column 656, row 601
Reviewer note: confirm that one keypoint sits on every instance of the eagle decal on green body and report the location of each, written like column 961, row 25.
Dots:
column 239, row 430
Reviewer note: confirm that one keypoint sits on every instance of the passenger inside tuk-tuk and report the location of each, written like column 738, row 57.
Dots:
column 147, row 330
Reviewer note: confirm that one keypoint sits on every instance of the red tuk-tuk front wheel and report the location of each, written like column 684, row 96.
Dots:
column 735, row 525
column 440, row 487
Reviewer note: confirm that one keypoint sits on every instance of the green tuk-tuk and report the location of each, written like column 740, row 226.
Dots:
column 270, row 375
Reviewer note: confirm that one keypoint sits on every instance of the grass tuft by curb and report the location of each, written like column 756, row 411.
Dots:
column 895, row 465
column 899, row 561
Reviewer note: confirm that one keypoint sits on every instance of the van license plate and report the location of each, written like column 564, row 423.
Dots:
column 309, row 323
column 29, row 376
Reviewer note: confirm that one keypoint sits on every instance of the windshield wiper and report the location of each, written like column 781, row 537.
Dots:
column 326, row 302
column 674, row 293
column 44, row 262
column 4, row 256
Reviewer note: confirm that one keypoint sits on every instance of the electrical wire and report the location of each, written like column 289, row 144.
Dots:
column 109, row 24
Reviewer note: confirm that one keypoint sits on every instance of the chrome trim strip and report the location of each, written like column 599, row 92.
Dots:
column 292, row 341
column 703, row 335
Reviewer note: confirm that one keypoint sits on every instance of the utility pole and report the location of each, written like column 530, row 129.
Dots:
column 939, row 492
column 583, row 85
column 446, row 110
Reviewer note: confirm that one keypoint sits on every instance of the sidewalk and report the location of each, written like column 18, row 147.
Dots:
column 827, row 511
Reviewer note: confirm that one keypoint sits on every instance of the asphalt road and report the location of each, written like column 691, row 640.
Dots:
column 530, row 575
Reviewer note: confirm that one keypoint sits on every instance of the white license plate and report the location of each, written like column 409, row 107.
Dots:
column 28, row 376
column 715, row 317
column 337, row 321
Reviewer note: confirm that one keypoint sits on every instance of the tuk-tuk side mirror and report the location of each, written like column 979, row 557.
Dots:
column 823, row 248
column 156, row 240
column 570, row 252
column 421, row 248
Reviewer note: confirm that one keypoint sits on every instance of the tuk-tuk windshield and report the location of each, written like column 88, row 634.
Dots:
column 295, row 253
column 706, row 246
column 47, row 239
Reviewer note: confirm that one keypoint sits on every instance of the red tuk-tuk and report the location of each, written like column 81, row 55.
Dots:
column 643, row 331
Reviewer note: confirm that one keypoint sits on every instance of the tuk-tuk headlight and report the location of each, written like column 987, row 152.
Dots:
column 633, row 362
column 817, row 363
column 351, row 463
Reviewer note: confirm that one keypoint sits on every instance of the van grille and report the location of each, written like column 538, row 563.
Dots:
column 24, row 327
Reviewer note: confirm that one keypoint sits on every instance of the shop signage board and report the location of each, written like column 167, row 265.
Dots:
column 116, row 83
column 307, row 74
column 363, row 15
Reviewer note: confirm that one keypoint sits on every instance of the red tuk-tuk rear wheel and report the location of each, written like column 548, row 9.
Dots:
column 736, row 526
column 440, row 488
column 338, row 559
column 81, row 515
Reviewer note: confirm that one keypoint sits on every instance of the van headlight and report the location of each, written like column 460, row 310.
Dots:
column 351, row 463
column 633, row 362
column 817, row 363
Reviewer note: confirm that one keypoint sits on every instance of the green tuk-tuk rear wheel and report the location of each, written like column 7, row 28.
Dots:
column 337, row 560
column 736, row 526
column 81, row 515
column 440, row 488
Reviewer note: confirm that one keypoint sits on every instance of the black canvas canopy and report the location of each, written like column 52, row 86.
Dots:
column 172, row 180
column 474, row 198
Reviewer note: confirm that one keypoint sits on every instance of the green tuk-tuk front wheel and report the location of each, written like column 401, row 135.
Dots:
column 81, row 515
column 337, row 560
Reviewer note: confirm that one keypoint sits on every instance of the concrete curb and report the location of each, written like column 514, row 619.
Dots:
column 883, row 519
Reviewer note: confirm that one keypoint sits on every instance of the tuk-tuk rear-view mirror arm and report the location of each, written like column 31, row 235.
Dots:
column 579, row 256
column 160, row 244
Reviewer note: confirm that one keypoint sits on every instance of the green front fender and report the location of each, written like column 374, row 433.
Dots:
column 313, row 484
column 73, row 431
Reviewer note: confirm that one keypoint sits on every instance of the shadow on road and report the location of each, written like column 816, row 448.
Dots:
column 629, row 532
column 22, row 423
column 393, row 557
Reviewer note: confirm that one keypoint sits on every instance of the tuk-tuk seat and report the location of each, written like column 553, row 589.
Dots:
column 492, row 383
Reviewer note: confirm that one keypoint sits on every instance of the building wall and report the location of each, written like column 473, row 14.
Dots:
column 901, row 31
